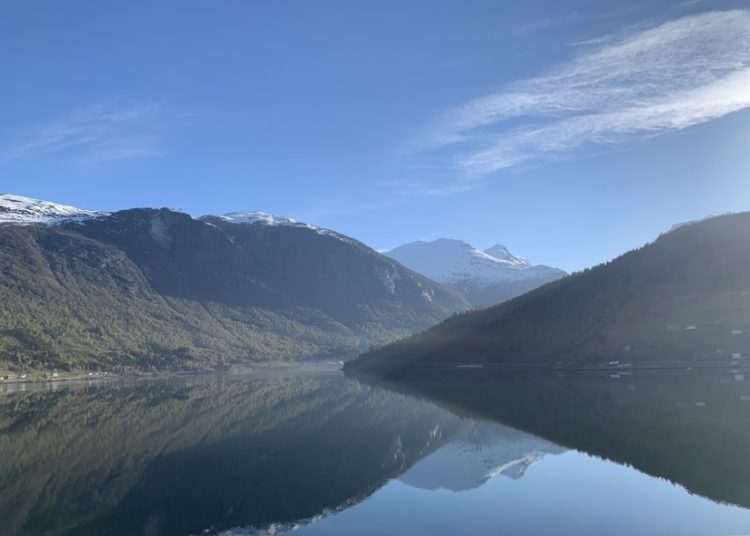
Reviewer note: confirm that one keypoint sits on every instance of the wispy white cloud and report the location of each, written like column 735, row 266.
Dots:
column 545, row 23
column 408, row 188
column 593, row 41
column 119, row 129
column 653, row 81
column 564, row 20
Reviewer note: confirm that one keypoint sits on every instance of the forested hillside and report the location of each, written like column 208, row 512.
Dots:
column 684, row 297
column 157, row 289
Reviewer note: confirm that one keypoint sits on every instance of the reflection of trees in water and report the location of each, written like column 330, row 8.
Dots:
column 185, row 455
column 182, row 456
column 692, row 430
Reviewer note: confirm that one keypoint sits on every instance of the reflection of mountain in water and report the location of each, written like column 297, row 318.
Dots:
column 691, row 429
column 197, row 456
column 486, row 451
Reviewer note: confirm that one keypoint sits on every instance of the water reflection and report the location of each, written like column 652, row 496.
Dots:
column 486, row 451
column 189, row 457
column 569, row 494
column 691, row 429
column 321, row 454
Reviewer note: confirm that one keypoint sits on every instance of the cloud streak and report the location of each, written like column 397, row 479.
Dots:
column 119, row 129
column 653, row 81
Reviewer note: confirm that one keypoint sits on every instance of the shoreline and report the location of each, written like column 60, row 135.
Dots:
column 415, row 372
column 109, row 377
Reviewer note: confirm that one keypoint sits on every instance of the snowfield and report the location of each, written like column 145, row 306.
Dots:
column 262, row 218
column 27, row 211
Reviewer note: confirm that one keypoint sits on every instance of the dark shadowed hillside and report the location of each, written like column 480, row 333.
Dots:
column 684, row 297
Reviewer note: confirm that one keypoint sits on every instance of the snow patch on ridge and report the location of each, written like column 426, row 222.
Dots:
column 21, row 210
column 498, row 251
column 262, row 218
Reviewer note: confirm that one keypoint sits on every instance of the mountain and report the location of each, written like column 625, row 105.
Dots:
column 684, row 297
column 157, row 288
column 484, row 277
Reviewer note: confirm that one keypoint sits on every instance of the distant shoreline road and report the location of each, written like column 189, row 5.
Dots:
column 622, row 368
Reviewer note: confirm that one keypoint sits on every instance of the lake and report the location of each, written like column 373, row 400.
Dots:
column 316, row 453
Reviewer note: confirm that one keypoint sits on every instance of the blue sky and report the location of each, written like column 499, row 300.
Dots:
column 570, row 131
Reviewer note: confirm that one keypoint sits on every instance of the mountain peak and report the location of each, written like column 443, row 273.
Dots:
column 485, row 277
column 501, row 252
column 22, row 210
column 449, row 242
column 447, row 259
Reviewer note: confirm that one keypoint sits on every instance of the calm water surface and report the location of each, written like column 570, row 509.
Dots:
column 315, row 453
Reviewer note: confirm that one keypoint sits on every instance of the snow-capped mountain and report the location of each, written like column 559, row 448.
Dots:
column 485, row 277
column 288, row 290
column 27, row 211
column 485, row 452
